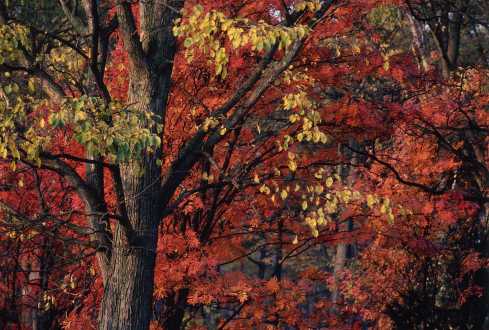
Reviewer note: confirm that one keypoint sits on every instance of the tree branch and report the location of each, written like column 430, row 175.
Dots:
column 130, row 35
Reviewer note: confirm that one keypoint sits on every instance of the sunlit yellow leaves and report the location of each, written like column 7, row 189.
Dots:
column 13, row 37
column 293, row 118
column 371, row 200
column 276, row 172
column 305, row 111
column 120, row 141
column 384, row 208
column 345, row 195
column 47, row 302
column 331, row 206
column 80, row 115
column 207, row 177
column 284, row 194
column 390, row 217
column 292, row 165
column 65, row 57
column 318, row 189
column 205, row 31
column 308, row 5
column 299, row 100
column 15, row 143
column 288, row 140
column 264, row 189
column 356, row 49
column 209, row 123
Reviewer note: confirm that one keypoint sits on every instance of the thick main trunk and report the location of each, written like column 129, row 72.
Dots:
column 128, row 294
column 127, row 301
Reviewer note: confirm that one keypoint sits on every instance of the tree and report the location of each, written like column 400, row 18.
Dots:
column 434, row 259
column 209, row 164
column 67, row 54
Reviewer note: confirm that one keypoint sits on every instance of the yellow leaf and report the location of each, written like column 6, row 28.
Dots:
column 320, row 220
column 370, row 200
column 284, row 194
column 324, row 138
column 355, row 49
column 316, row 136
column 264, row 189
column 80, row 115
column 292, row 165
column 390, row 217
column 276, row 171
column 30, row 86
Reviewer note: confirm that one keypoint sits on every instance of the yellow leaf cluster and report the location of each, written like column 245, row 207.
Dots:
column 205, row 32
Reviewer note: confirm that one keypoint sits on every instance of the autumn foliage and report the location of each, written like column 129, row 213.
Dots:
column 272, row 164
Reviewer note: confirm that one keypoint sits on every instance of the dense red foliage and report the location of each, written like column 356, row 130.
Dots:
column 235, row 257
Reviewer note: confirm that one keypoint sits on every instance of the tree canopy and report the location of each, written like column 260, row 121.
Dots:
column 272, row 164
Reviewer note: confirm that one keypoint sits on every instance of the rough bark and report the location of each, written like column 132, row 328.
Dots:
column 127, row 301
column 128, row 293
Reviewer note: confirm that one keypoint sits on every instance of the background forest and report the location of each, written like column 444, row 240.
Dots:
column 256, row 164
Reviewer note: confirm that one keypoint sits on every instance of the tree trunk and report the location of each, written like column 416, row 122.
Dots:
column 420, row 46
column 447, row 40
column 127, row 301
column 128, row 294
